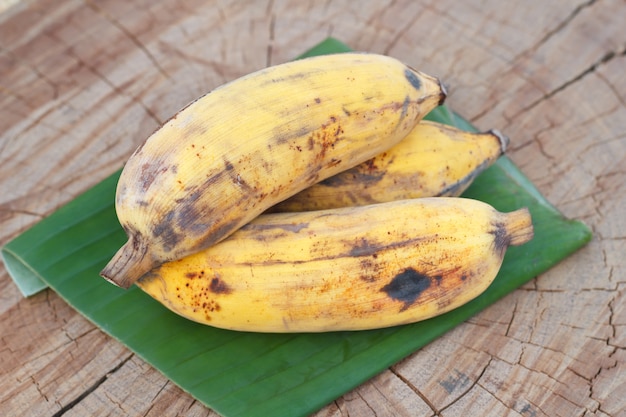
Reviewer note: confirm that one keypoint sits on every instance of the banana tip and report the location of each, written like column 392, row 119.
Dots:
column 444, row 92
column 128, row 265
column 504, row 139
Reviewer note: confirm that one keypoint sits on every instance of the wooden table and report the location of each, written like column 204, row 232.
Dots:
column 82, row 83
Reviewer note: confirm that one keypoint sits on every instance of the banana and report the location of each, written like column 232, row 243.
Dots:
column 433, row 160
column 235, row 152
column 351, row 268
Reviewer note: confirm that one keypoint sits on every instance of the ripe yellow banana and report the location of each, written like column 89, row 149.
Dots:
column 433, row 160
column 343, row 269
column 249, row 144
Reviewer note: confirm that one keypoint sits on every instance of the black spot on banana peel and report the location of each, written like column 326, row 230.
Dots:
column 350, row 268
column 256, row 141
column 218, row 286
column 415, row 82
column 407, row 286
column 166, row 233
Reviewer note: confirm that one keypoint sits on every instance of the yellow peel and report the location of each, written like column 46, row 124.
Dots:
column 432, row 160
column 343, row 269
column 249, row 144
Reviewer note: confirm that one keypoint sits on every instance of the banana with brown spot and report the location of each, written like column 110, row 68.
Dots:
column 349, row 268
column 434, row 160
column 249, row 144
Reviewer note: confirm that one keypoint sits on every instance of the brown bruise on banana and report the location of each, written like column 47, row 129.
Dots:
column 414, row 288
column 461, row 185
column 149, row 172
column 369, row 247
column 408, row 290
column 361, row 184
column 320, row 142
column 174, row 226
column 329, row 134
column 218, row 286
column 407, row 286
column 369, row 173
column 187, row 217
column 286, row 227
column 413, row 79
column 352, row 182
column 326, row 138
column 404, row 286
column 365, row 247
column 200, row 293
column 501, row 238
column 413, row 285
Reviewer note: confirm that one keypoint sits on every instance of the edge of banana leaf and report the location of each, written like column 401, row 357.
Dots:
column 252, row 374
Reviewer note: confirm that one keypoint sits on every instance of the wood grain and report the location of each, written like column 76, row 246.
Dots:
column 82, row 83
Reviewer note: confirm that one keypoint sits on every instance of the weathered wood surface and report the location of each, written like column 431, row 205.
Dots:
column 82, row 83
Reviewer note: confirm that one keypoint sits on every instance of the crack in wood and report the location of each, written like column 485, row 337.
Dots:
column 589, row 70
column 556, row 381
column 474, row 383
column 510, row 323
column 160, row 390
column 148, row 410
column 549, row 35
column 92, row 388
column 118, row 404
column 524, row 407
column 35, row 70
column 24, row 212
column 530, row 409
column 95, row 7
column 404, row 29
column 367, row 404
column 39, row 390
column 615, row 90
column 413, row 388
column 117, row 89
column 270, row 43
column 552, row 32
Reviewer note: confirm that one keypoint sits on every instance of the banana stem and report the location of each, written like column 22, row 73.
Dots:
column 519, row 226
column 129, row 264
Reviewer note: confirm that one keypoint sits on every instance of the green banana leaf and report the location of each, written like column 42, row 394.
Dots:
column 250, row 374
